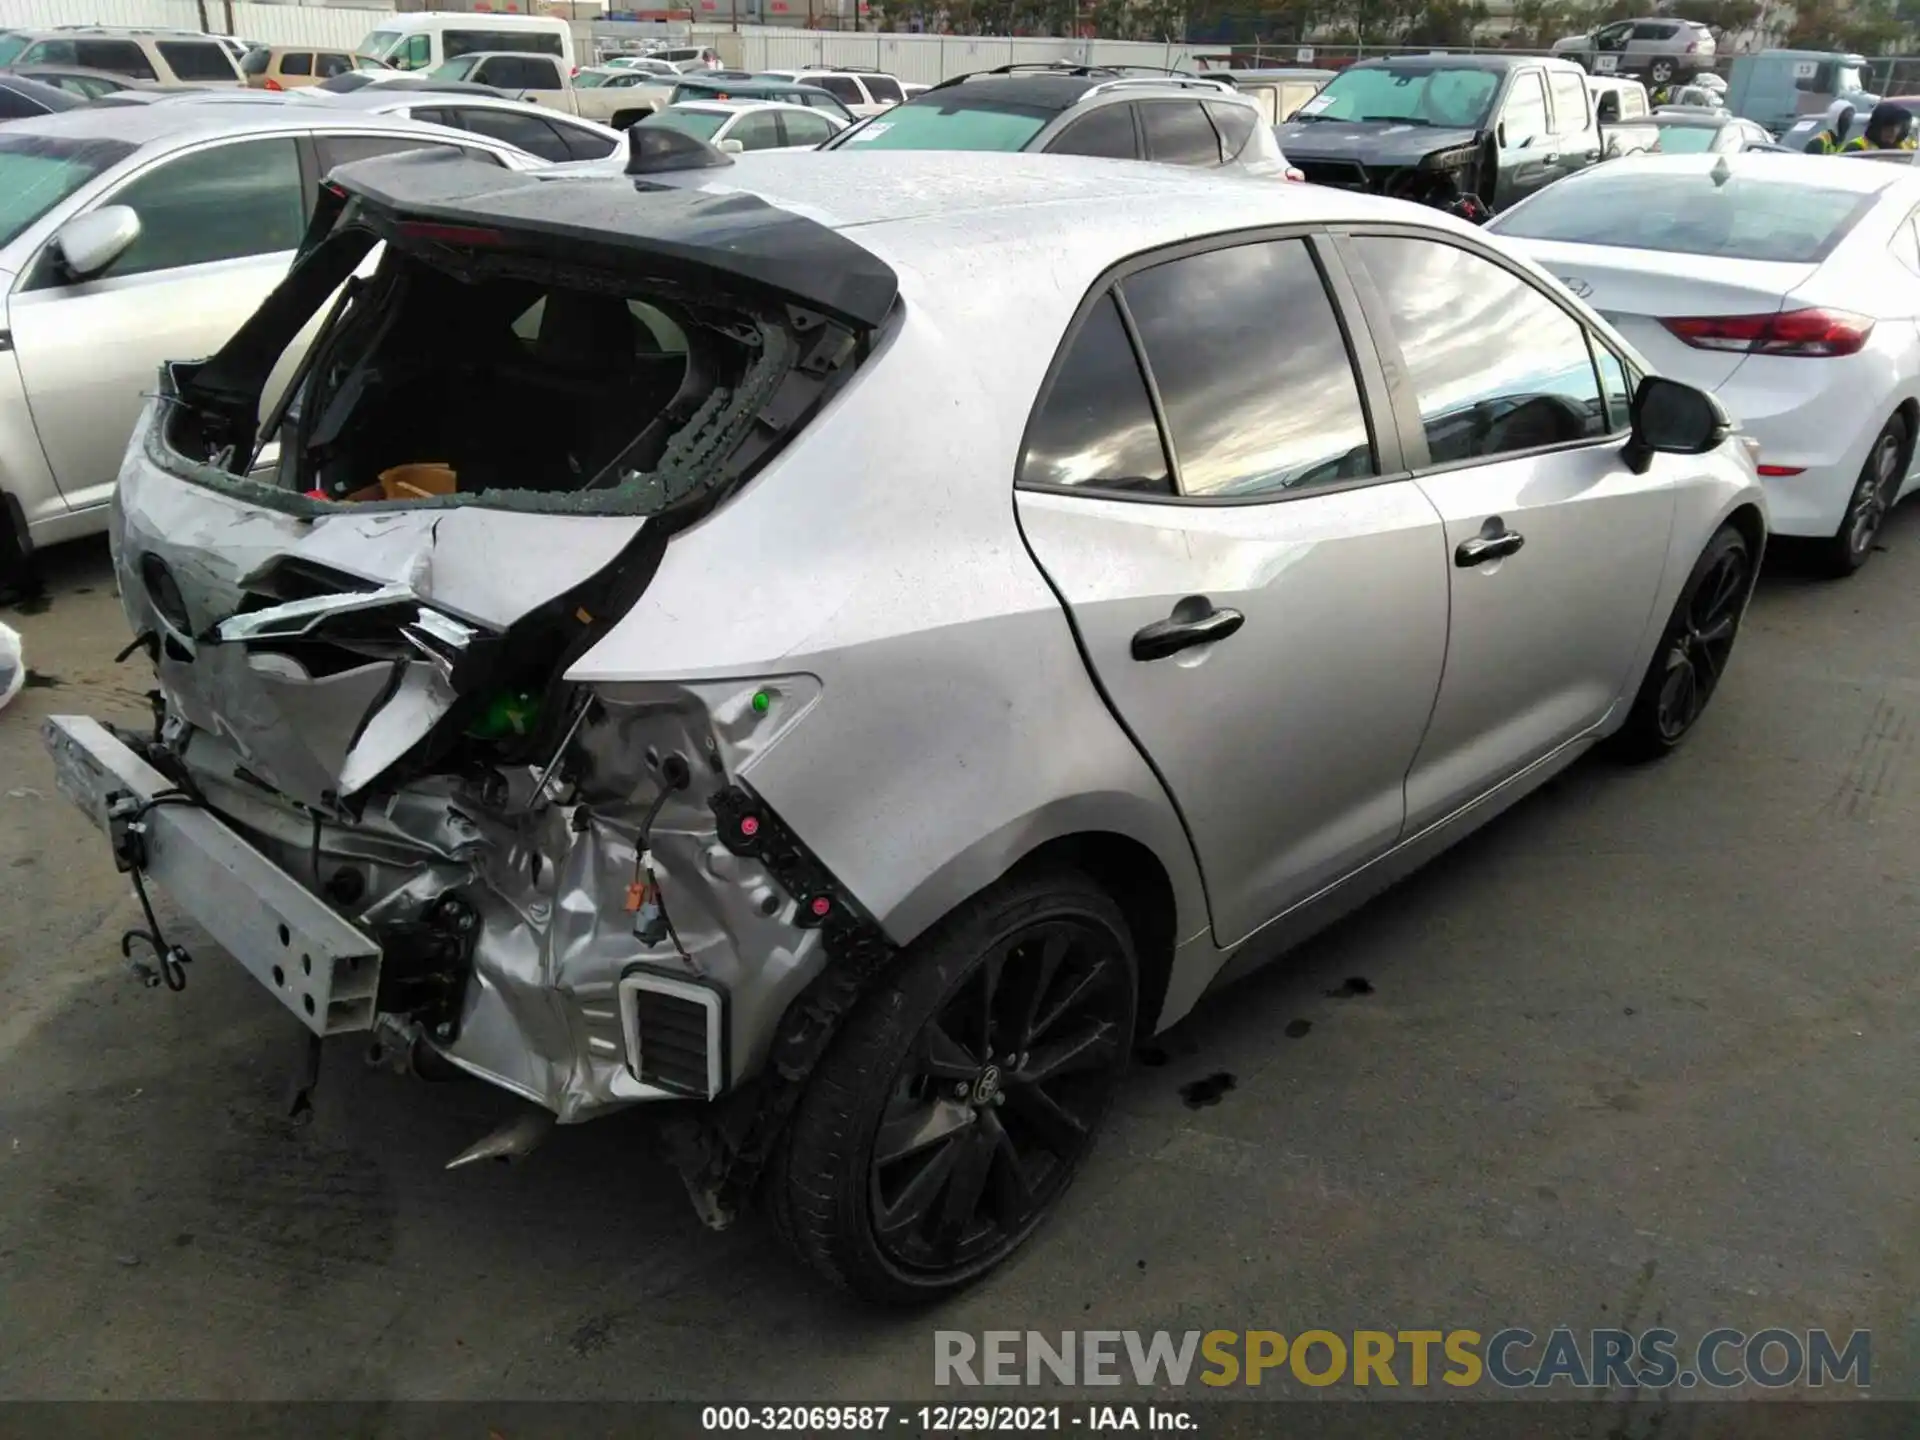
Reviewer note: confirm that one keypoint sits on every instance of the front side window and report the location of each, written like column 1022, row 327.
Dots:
column 1615, row 387
column 380, row 45
column 756, row 130
column 417, row 55
column 328, row 65
column 1253, row 371
column 1179, row 133
column 38, row 172
column 1095, row 430
column 1447, row 96
column 196, row 60
column 803, row 128
column 701, row 124
column 883, row 88
column 1235, row 124
column 222, row 203
column 843, row 88
column 526, row 132
column 1569, row 103
column 11, row 46
column 1106, row 133
column 1497, row 367
column 1525, row 114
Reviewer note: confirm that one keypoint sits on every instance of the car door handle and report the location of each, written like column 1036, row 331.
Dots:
column 1494, row 542
column 1175, row 633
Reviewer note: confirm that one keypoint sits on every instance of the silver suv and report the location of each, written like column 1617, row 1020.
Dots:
column 1081, row 110
column 165, row 57
column 1657, row 48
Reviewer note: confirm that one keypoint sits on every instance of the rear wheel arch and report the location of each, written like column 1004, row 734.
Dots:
column 1746, row 518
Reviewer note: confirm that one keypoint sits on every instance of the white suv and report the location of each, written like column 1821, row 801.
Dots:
column 864, row 92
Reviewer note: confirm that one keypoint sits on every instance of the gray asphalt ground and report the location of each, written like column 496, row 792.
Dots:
column 1640, row 1053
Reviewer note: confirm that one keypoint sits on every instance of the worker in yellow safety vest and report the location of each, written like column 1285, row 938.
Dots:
column 1890, row 127
column 1833, row 133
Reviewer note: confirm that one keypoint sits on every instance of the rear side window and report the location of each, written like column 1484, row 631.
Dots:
column 1179, row 133
column 122, row 57
column 472, row 42
column 526, row 132
column 328, row 65
column 1096, row 429
column 1253, row 371
column 585, row 144
column 804, row 129
column 1235, row 124
column 1569, row 103
column 843, row 88
column 1107, row 132
column 1524, row 116
column 883, row 88
column 296, row 64
column 196, row 60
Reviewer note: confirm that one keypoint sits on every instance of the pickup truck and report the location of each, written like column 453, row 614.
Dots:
column 1620, row 107
column 622, row 98
column 1470, row 134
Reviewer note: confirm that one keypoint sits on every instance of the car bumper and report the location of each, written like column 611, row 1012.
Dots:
column 1821, row 432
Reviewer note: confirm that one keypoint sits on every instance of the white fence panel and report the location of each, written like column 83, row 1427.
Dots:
column 148, row 14
column 926, row 59
column 343, row 26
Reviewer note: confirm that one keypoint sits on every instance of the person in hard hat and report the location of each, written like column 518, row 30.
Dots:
column 1889, row 127
column 1833, row 133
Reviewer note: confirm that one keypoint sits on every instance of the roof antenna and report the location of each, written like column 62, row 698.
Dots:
column 654, row 149
column 1721, row 172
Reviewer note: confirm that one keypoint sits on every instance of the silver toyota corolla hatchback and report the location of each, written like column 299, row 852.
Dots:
column 850, row 643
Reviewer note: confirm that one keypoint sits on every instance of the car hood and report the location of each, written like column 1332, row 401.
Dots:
column 1368, row 143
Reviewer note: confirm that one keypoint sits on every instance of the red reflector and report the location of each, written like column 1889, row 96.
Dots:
column 1777, row 470
column 1807, row 333
column 272, row 84
column 450, row 234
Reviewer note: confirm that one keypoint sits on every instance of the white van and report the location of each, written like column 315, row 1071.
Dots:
column 421, row 41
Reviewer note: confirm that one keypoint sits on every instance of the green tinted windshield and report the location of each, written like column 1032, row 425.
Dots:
column 590, row 80
column 698, row 123
column 455, row 69
column 38, row 172
column 1449, row 96
column 1686, row 139
column 1744, row 217
column 11, row 46
column 948, row 124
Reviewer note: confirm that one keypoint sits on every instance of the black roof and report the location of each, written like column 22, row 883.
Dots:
column 622, row 222
column 1036, row 91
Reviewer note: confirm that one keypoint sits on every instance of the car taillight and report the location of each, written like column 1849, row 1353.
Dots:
column 1807, row 333
column 450, row 234
column 1777, row 471
column 272, row 84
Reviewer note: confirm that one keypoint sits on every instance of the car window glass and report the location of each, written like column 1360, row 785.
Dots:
column 1613, row 385
column 15, row 106
column 883, row 88
column 329, row 65
column 433, row 116
column 1496, row 366
column 1633, row 102
column 1569, row 103
column 1179, row 133
column 123, row 57
column 528, row 132
column 756, row 130
column 1235, row 124
column 1096, row 428
column 535, row 73
column 843, row 87
column 1252, row 369
column 805, row 129
column 296, row 64
column 336, row 150
column 220, row 203
column 1525, row 113
column 196, row 60
column 1107, row 132
column 584, row 144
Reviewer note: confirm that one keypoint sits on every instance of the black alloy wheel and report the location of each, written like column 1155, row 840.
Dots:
column 1694, row 648
column 960, row 1098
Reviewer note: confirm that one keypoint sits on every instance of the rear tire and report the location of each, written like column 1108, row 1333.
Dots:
column 1660, row 72
column 951, row 1114
column 1693, row 650
column 1851, row 546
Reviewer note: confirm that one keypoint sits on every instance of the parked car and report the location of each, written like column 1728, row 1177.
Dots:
column 641, row 64
column 80, row 82
column 863, row 92
column 1278, row 92
column 1778, row 88
column 673, row 780
column 1621, row 110
column 1081, row 111
column 425, row 41
column 166, row 57
column 1779, row 283
column 544, row 81
column 529, row 128
column 783, row 92
column 1470, row 133
column 1658, row 48
column 734, row 126
column 294, row 67
column 145, row 232
column 1684, row 133
column 22, row 96
column 686, row 59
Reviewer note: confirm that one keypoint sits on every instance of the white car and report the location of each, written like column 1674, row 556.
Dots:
column 643, row 64
column 864, row 92
column 737, row 125
column 1783, row 284
column 686, row 59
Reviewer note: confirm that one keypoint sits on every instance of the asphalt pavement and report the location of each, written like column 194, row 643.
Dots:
column 1640, row 1052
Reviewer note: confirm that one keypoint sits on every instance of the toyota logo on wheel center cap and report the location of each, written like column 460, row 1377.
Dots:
column 987, row 1086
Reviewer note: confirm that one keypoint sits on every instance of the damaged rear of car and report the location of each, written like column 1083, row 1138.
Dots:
column 365, row 745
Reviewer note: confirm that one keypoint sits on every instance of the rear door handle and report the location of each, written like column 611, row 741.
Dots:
column 1177, row 633
column 1494, row 542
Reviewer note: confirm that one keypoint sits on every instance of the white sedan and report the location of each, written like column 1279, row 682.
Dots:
column 737, row 125
column 1786, row 285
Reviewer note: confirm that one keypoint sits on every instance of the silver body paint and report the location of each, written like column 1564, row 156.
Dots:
column 932, row 719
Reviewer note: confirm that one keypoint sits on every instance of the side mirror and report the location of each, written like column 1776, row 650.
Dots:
column 1670, row 418
column 89, row 243
column 732, row 147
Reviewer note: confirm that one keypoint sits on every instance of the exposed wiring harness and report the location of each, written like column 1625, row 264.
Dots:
column 651, row 922
column 127, row 817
